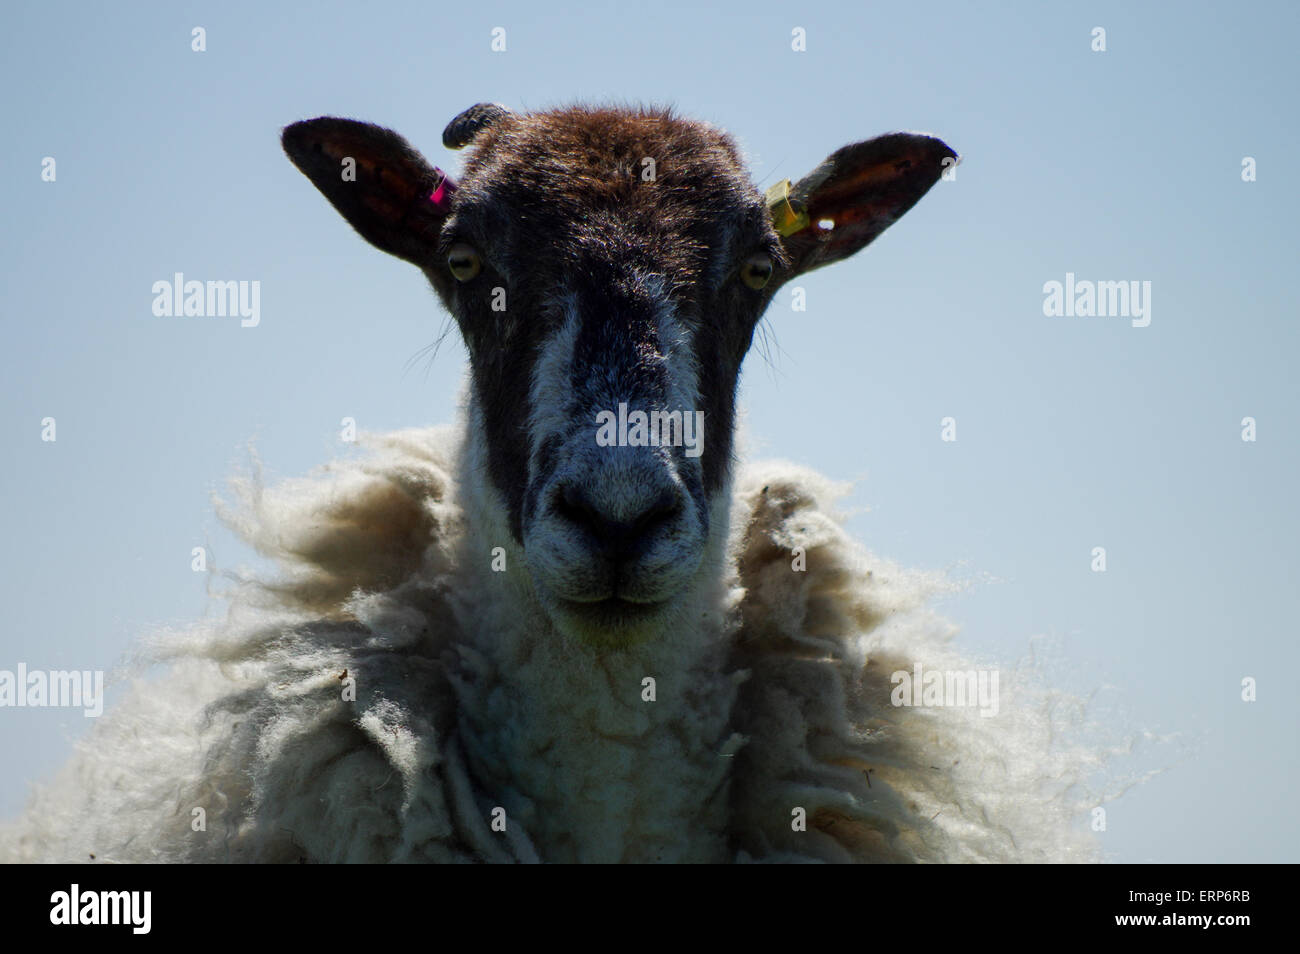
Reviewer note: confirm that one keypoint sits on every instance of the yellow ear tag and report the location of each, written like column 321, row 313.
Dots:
column 786, row 219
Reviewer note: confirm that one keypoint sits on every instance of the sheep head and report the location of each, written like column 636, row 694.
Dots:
column 607, row 268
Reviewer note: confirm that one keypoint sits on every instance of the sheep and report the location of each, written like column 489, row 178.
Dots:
column 513, row 640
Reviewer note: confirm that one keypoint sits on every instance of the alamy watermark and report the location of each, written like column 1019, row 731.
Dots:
column 194, row 299
column 130, row 908
column 53, row 689
column 946, row 688
column 1075, row 298
column 651, row 429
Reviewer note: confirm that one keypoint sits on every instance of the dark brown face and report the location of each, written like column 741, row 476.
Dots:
column 602, row 267
column 607, row 268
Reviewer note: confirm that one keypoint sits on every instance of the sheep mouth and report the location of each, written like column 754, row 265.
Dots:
column 613, row 620
column 613, row 607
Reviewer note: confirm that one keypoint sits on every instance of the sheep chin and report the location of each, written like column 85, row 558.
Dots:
column 608, row 624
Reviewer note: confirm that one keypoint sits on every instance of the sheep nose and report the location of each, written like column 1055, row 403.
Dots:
column 618, row 527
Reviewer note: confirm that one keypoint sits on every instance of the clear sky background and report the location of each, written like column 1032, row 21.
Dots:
column 1072, row 433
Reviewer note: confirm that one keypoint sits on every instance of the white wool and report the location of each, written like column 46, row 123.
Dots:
column 773, row 695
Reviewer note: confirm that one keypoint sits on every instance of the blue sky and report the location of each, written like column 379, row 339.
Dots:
column 1072, row 433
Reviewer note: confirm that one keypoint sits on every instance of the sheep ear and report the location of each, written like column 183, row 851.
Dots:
column 386, row 190
column 857, row 193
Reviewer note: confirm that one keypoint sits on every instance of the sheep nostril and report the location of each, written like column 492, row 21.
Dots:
column 572, row 504
column 663, row 509
column 617, row 534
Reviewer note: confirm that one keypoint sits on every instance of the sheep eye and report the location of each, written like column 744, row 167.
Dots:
column 463, row 262
column 756, row 271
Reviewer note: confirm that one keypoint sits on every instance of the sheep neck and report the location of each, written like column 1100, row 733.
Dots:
column 595, row 755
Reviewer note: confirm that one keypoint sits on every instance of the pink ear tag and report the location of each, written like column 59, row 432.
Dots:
column 442, row 192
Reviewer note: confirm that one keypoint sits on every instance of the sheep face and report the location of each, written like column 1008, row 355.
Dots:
column 607, row 268
column 606, row 315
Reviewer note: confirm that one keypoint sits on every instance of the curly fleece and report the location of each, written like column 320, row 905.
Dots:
column 471, row 715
